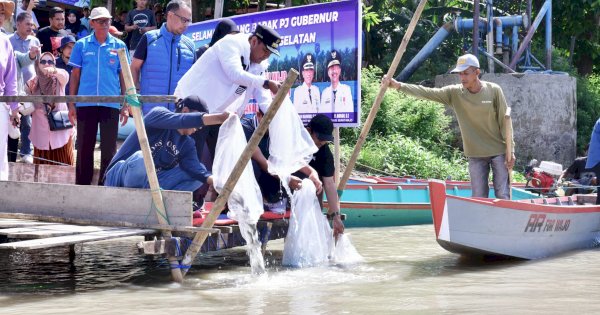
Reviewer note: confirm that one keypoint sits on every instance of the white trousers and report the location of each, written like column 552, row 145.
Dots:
column 4, row 121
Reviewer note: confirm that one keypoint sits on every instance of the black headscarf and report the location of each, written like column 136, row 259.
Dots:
column 74, row 27
column 224, row 27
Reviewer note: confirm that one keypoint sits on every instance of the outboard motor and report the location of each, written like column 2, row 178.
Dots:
column 543, row 179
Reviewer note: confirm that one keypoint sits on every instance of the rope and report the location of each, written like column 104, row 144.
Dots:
column 132, row 98
column 42, row 159
column 155, row 208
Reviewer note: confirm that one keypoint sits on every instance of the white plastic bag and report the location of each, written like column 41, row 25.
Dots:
column 290, row 145
column 245, row 202
column 309, row 237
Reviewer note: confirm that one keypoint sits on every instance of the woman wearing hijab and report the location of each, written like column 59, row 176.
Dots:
column 50, row 147
column 74, row 27
column 224, row 27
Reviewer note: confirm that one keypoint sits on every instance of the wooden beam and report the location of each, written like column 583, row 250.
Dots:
column 74, row 239
column 86, row 98
column 157, row 198
column 377, row 103
column 110, row 204
column 42, row 218
column 221, row 201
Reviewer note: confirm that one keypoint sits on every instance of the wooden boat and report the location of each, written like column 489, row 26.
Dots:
column 528, row 229
column 378, row 202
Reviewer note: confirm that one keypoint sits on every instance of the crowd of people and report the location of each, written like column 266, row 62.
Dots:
column 76, row 54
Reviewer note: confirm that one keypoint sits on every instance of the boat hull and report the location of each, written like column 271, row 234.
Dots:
column 522, row 229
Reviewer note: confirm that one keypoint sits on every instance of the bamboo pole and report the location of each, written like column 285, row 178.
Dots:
column 509, row 148
column 336, row 155
column 221, row 201
column 85, row 98
column 379, row 98
column 157, row 199
column 53, row 219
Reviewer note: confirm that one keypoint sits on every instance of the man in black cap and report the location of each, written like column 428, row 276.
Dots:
column 307, row 97
column 336, row 98
column 173, row 150
column 320, row 128
column 230, row 73
column 233, row 68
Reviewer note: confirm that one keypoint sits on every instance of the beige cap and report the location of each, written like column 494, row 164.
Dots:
column 100, row 13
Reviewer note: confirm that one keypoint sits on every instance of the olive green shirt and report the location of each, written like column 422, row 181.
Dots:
column 480, row 116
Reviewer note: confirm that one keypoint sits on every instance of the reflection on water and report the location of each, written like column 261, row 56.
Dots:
column 405, row 272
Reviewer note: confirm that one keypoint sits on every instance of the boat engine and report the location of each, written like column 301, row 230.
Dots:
column 543, row 180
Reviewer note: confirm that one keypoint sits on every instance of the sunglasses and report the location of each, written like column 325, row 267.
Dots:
column 44, row 61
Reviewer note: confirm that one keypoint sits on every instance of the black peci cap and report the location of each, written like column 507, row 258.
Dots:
column 192, row 102
column 334, row 59
column 269, row 37
column 322, row 126
column 308, row 62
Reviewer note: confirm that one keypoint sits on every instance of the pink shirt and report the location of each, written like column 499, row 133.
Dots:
column 41, row 136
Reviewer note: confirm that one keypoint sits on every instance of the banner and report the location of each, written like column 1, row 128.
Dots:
column 323, row 42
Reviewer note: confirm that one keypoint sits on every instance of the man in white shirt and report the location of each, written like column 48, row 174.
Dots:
column 336, row 98
column 307, row 97
column 232, row 68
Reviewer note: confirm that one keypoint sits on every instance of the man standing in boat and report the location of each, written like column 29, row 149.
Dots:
column 480, row 107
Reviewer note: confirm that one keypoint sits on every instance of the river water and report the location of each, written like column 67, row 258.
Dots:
column 405, row 272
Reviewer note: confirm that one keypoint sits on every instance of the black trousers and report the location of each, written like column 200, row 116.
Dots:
column 88, row 119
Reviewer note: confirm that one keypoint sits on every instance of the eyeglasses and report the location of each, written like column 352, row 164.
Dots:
column 183, row 20
column 102, row 21
column 45, row 61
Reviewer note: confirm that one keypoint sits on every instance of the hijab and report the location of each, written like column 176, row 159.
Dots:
column 74, row 27
column 47, row 84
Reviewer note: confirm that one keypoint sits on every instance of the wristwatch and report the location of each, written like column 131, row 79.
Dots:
column 266, row 84
column 331, row 216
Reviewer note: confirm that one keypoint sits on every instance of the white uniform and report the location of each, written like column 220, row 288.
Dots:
column 307, row 100
column 225, row 78
column 340, row 102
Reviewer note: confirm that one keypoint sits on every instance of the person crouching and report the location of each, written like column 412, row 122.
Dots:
column 173, row 150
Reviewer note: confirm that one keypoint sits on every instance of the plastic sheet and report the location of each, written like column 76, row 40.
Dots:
column 345, row 253
column 309, row 239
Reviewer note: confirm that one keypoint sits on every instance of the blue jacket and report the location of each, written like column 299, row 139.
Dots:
column 169, row 148
column 168, row 58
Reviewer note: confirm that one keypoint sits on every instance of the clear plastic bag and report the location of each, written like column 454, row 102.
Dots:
column 245, row 202
column 309, row 238
column 344, row 252
column 290, row 146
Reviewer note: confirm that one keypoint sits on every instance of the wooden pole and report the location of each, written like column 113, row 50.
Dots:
column 509, row 148
column 85, row 98
column 379, row 98
column 157, row 199
column 336, row 156
column 221, row 201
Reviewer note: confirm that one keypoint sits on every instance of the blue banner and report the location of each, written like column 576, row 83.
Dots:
column 323, row 42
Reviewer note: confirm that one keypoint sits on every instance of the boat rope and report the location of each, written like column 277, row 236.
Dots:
column 42, row 159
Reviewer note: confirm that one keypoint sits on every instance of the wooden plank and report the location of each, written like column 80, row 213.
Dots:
column 74, row 239
column 54, row 231
column 192, row 229
column 7, row 223
column 55, row 174
column 21, row 172
column 93, row 202
column 86, row 98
